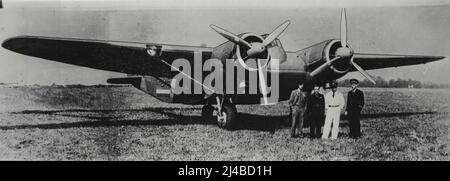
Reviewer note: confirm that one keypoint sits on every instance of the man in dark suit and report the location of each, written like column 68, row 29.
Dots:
column 355, row 103
column 297, row 103
column 315, row 111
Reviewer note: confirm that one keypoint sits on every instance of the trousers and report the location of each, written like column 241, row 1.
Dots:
column 333, row 116
column 316, row 121
column 297, row 120
column 354, row 123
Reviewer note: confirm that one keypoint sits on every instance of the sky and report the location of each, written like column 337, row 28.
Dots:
column 416, row 27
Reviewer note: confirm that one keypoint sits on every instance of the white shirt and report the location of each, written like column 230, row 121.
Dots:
column 336, row 101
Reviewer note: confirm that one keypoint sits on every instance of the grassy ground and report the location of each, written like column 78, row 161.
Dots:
column 121, row 123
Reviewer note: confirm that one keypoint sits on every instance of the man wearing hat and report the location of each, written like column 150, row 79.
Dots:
column 297, row 103
column 355, row 103
column 334, row 102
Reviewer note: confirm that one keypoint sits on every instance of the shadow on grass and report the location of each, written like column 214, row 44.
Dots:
column 106, row 118
column 380, row 115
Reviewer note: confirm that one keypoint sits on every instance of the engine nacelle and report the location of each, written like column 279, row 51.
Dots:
column 273, row 51
column 230, row 50
column 321, row 53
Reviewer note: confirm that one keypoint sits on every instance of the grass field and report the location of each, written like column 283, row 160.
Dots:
column 122, row 123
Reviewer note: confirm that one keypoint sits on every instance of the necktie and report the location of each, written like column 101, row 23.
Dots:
column 333, row 94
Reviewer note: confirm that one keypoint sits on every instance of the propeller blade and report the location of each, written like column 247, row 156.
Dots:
column 275, row 33
column 243, row 64
column 362, row 71
column 343, row 28
column 323, row 67
column 230, row 36
column 262, row 83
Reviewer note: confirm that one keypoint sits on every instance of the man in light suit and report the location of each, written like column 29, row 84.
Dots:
column 334, row 103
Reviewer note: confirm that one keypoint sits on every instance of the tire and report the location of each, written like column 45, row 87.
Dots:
column 229, row 113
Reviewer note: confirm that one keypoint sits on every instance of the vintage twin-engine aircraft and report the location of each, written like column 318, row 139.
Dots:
column 318, row 64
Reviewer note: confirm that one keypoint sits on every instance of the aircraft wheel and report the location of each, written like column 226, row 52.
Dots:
column 207, row 111
column 227, row 118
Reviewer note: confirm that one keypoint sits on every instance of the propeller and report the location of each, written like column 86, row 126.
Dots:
column 230, row 36
column 343, row 28
column 323, row 67
column 343, row 52
column 262, row 84
column 362, row 71
column 254, row 50
column 347, row 51
column 276, row 33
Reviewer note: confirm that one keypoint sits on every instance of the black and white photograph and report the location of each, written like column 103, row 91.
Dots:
column 216, row 80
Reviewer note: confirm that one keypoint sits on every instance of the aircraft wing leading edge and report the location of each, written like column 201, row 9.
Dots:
column 116, row 56
column 378, row 61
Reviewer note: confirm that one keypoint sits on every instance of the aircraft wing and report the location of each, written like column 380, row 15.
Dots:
column 379, row 61
column 116, row 56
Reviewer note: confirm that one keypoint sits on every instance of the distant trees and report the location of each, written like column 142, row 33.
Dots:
column 394, row 83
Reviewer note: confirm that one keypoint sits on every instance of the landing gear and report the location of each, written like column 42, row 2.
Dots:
column 225, row 112
column 226, row 118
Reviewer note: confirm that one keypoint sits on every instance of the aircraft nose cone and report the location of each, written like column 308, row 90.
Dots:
column 256, row 49
column 344, row 52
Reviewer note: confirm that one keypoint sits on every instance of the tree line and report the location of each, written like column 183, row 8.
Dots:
column 394, row 83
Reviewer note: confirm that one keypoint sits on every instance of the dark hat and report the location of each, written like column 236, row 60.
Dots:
column 356, row 81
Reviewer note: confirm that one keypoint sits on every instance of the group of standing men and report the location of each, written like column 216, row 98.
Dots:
column 316, row 108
